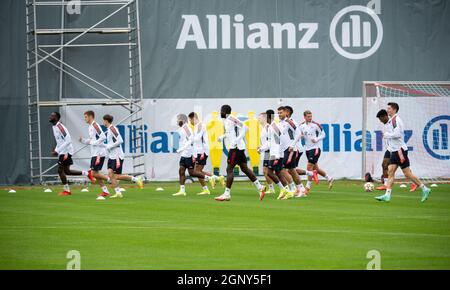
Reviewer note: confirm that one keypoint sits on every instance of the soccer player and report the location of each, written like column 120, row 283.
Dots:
column 201, row 151
column 273, row 146
column 187, row 160
column 382, row 115
column 265, row 119
column 396, row 145
column 384, row 119
column 234, row 135
column 115, row 157
column 96, row 141
column 289, row 138
column 313, row 134
column 64, row 151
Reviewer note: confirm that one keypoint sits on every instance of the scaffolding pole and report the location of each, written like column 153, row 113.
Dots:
column 55, row 55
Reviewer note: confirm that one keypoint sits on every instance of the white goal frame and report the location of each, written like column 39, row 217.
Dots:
column 364, row 110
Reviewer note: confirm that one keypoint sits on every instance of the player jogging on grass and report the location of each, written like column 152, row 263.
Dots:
column 265, row 119
column 115, row 158
column 187, row 160
column 384, row 119
column 313, row 134
column 201, row 152
column 396, row 145
column 234, row 136
column 96, row 141
column 290, row 132
column 275, row 160
column 64, row 151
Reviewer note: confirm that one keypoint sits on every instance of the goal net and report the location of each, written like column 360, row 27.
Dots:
column 425, row 110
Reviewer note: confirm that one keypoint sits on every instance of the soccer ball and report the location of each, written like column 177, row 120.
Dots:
column 368, row 187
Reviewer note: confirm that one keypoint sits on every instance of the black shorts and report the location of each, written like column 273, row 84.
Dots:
column 201, row 161
column 99, row 166
column 236, row 156
column 276, row 165
column 290, row 159
column 66, row 162
column 387, row 155
column 187, row 162
column 400, row 158
column 313, row 155
column 297, row 159
column 112, row 164
column 266, row 163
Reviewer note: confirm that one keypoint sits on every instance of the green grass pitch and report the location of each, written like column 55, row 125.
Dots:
column 150, row 229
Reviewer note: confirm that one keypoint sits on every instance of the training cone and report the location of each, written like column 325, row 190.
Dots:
column 11, row 191
column 434, row 185
column 85, row 190
column 403, row 186
column 159, row 189
column 47, row 190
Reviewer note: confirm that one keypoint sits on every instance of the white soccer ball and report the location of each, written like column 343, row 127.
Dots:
column 368, row 187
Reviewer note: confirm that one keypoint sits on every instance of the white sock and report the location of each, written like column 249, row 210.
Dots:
column 388, row 192
column 84, row 173
column 300, row 187
column 385, row 182
column 205, row 187
column 227, row 191
column 108, row 180
column 308, row 184
column 215, row 177
column 66, row 187
column 280, row 185
column 105, row 189
column 309, row 173
column 133, row 178
column 182, row 188
column 257, row 184
column 292, row 186
column 271, row 187
column 328, row 177
column 117, row 190
column 207, row 178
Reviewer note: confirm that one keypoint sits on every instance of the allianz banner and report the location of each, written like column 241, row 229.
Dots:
column 289, row 48
column 341, row 149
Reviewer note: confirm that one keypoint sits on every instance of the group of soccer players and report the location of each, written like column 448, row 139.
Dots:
column 112, row 149
column 194, row 150
column 282, row 144
column 281, row 149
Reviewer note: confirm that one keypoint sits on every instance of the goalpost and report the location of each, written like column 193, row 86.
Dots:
column 425, row 110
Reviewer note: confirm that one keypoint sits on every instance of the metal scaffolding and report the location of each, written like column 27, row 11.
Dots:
column 40, row 53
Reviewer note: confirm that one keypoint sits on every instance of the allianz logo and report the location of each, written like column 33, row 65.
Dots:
column 355, row 32
column 339, row 138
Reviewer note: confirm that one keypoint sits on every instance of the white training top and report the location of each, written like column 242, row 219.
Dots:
column 200, row 140
column 63, row 140
column 263, row 139
column 114, row 143
column 234, row 133
column 312, row 131
column 96, row 139
column 274, row 142
column 384, row 129
column 186, row 141
column 395, row 134
column 289, row 134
